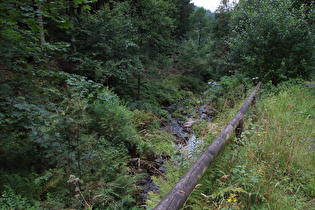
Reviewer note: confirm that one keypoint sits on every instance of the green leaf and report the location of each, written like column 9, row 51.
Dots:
column 86, row 7
column 19, row 106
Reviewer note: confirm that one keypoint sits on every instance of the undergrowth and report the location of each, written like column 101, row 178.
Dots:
column 55, row 124
column 270, row 167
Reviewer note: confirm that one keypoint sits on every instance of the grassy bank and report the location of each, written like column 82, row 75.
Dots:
column 272, row 166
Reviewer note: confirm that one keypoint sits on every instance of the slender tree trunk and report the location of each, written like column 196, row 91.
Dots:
column 71, row 10
column 41, row 24
column 74, row 46
column 139, row 74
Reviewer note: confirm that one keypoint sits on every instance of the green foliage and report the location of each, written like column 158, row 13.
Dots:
column 281, row 137
column 145, row 120
column 197, row 54
column 220, row 33
column 201, row 25
column 152, row 139
column 272, row 41
column 229, row 91
column 21, row 29
column 192, row 102
column 119, row 44
column 192, row 83
column 159, row 92
column 193, row 59
column 153, row 39
column 10, row 200
column 104, row 44
column 22, row 185
column 174, row 171
column 181, row 13
column 157, row 142
column 58, row 124
column 113, row 122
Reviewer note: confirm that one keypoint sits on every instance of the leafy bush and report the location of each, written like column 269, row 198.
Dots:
column 156, row 94
column 192, row 83
column 47, row 125
column 272, row 40
column 193, row 59
column 113, row 121
column 100, row 38
column 145, row 119
column 229, row 91
column 10, row 200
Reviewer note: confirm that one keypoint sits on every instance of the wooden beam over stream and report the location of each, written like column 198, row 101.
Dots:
column 178, row 195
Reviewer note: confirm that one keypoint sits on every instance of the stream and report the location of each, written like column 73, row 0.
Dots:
column 181, row 127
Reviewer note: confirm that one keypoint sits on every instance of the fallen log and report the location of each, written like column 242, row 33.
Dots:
column 178, row 195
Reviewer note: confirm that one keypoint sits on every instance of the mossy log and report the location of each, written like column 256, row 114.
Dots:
column 178, row 195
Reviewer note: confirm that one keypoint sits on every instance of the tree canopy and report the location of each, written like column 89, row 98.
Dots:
column 271, row 40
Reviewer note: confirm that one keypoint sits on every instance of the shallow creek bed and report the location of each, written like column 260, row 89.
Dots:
column 180, row 126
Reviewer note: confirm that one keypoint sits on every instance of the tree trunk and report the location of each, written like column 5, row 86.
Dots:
column 71, row 10
column 41, row 24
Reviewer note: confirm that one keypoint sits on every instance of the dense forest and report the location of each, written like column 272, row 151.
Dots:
column 85, row 86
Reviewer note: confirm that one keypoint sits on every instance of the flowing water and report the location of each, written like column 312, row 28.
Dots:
column 182, row 129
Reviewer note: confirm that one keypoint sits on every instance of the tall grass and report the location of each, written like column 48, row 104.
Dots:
column 272, row 166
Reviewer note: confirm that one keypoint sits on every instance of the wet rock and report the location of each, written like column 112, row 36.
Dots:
column 162, row 169
column 188, row 124
column 206, row 110
column 203, row 109
column 211, row 112
column 212, row 83
column 204, row 116
column 158, row 161
column 133, row 160
column 188, row 130
column 140, row 170
column 148, row 186
column 181, row 122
